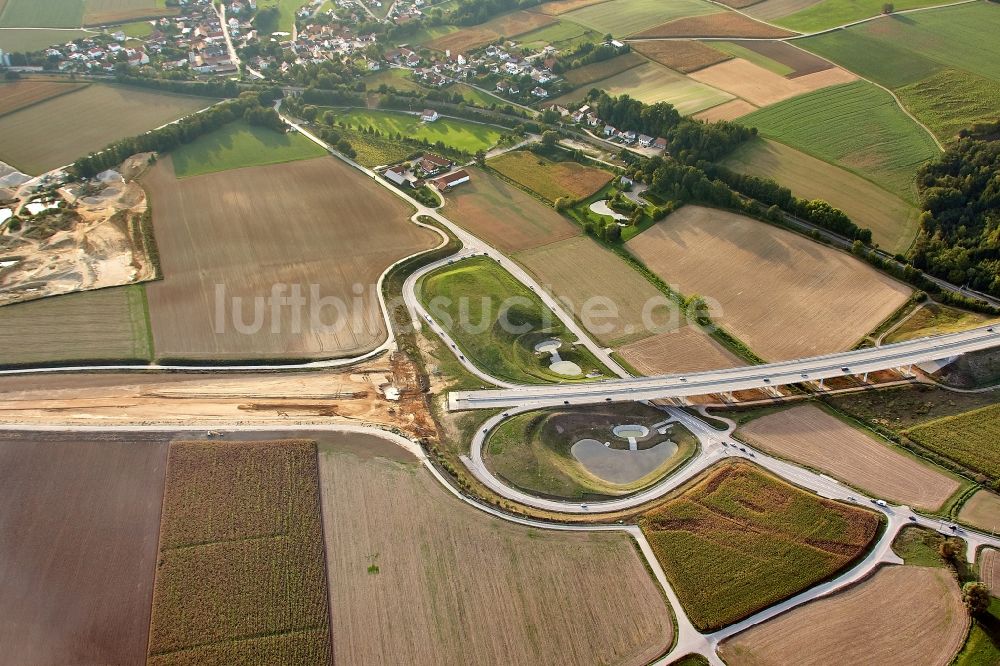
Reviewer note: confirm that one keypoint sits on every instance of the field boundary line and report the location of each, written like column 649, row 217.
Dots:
column 851, row 24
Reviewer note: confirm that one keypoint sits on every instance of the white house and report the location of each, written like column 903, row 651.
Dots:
column 396, row 175
column 645, row 141
column 609, row 130
column 429, row 115
column 540, row 92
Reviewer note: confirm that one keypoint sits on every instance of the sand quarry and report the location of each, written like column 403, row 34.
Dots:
column 87, row 236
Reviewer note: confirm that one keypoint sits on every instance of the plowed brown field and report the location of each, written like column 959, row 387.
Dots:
column 989, row 570
column 687, row 349
column 728, row 111
column 763, row 87
column 417, row 576
column 79, row 517
column 19, row 94
column 312, row 222
column 684, row 55
column 898, row 617
column 508, row 25
column 809, row 435
column 784, row 295
column 504, row 216
column 982, row 510
column 722, row 24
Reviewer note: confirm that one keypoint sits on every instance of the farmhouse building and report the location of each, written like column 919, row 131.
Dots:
column 660, row 144
column 429, row 115
column 396, row 175
column 451, row 180
column 645, row 141
column 431, row 164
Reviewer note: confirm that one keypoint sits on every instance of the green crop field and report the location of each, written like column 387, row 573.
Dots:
column 737, row 540
column 561, row 35
column 855, row 125
column 534, row 450
column 952, row 100
column 285, row 20
column 399, row 79
column 27, row 40
column 102, row 325
column 475, row 96
column 626, row 17
column 969, row 439
column 887, row 62
column 550, row 180
column 893, row 221
column 831, row 13
column 459, row 135
column 42, row 14
column 497, row 322
column 239, row 145
column 373, row 150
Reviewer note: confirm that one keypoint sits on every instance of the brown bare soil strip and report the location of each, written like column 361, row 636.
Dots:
column 802, row 62
column 589, row 279
column 727, row 111
column 809, row 435
column 313, row 222
column 350, row 396
column 982, row 510
column 902, row 615
column 16, row 95
column 78, row 522
column 782, row 294
column 738, row 4
column 989, row 570
column 240, row 574
column 508, row 25
column 419, row 577
column 687, row 349
column 682, row 55
column 563, row 6
column 763, row 87
column 721, row 24
column 504, row 216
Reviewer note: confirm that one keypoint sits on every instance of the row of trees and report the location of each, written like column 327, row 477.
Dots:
column 248, row 107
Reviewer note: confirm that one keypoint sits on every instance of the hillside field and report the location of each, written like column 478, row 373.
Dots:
column 79, row 518
column 473, row 301
column 89, row 119
column 101, row 12
column 900, row 616
column 108, row 325
column 461, row 135
column 683, row 55
column 855, row 125
column 239, row 145
column 719, row 24
column 47, row 14
column 893, row 221
column 16, row 95
column 736, row 540
column 509, row 25
column 240, row 574
column 831, row 13
column 504, row 216
column 809, row 435
column 627, row 17
column 549, row 179
column 970, row 439
column 399, row 546
column 317, row 224
column 818, row 300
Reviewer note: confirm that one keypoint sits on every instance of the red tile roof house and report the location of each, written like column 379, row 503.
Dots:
column 451, row 180
column 429, row 115
column 431, row 163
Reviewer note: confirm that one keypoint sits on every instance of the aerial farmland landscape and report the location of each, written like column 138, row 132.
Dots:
column 577, row 332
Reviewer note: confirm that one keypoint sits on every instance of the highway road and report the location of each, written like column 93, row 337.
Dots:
column 814, row 369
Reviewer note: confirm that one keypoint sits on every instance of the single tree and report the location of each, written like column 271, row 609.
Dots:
column 550, row 138
column 976, row 597
column 888, row 8
column 950, row 550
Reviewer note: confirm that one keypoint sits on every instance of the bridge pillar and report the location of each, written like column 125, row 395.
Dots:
column 864, row 380
column 820, row 384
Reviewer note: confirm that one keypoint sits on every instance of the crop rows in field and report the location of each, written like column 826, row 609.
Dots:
column 737, row 540
column 241, row 567
column 969, row 439
column 856, row 125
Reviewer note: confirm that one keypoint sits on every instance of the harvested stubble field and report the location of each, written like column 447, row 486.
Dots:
column 982, row 510
column 627, row 17
column 89, row 119
column 762, row 87
column 312, row 222
column 809, row 435
column 736, row 540
column 103, row 325
column 989, row 570
column 16, row 95
column 856, row 125
column 970, row 439
column 902, row 615
column 780, row 57
column 102, row 12
column 651, row 83
column 420, row 577
column 731, row 110
column 78, row 522
column 687, row 349
column 935, row 319
column 682, row 55
column 550, row 180
column 504, row 216
column 558, row 7
column 817, row 300
column 721, row 24
column 509, row 25
column 240, row 573
column 587, row 74
column 893, row 221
